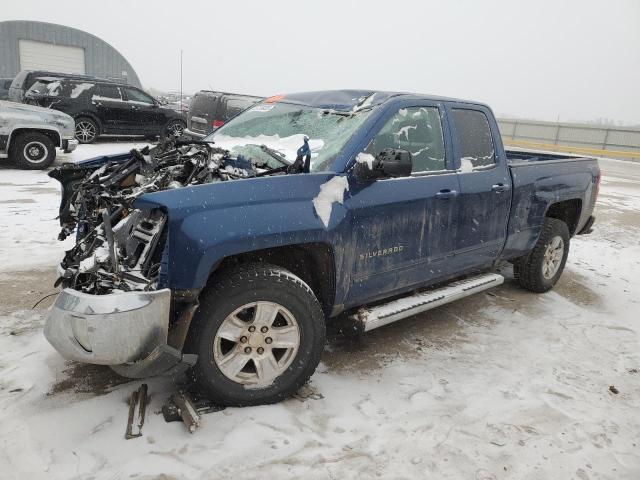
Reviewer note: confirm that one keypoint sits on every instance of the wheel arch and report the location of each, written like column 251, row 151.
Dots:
column 52, row 133
column 314, row 263
column 91, row 116
column 567, row 211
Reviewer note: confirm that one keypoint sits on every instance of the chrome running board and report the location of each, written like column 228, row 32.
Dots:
column 374, row 317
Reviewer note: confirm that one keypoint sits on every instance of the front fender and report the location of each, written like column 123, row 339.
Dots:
column 208, row 223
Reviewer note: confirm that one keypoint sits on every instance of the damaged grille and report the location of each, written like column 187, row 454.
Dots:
column 119, row 247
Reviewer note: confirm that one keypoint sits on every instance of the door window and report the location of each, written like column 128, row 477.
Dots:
column 138, row 96
column 418, row 130
column 109, row 92
column 474, row 139
column 237, row 105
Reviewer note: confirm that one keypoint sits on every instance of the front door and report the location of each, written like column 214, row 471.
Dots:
column 145, row 115
column 485, row 188
column 402, row 228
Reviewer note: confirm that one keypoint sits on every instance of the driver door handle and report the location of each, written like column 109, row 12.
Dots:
column 446, row 193
column 500, row 187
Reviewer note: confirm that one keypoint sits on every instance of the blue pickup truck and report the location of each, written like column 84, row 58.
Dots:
column 227, row 256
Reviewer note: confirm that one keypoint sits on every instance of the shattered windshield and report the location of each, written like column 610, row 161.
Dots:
column 282, row 127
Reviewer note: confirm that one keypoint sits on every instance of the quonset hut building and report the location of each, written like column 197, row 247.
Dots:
column 27, row 45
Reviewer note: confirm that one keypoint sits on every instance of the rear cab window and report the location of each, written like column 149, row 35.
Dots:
column 417, row 130
column 474, row 140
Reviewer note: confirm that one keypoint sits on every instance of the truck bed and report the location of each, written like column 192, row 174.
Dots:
column 516, row 156
column 540, row 179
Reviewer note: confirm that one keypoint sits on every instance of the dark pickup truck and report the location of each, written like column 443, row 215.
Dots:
column 228, row 255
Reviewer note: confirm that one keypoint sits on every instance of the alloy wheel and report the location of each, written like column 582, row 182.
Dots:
column 553, row 257
column 85, row 131
column 256, row 343
column 175, row 129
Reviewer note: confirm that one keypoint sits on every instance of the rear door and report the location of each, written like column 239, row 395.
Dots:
column 403, row 228
column 110, row 107
column 485, row 186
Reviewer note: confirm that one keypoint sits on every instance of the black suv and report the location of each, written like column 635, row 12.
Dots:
column 104, row 107
column 25, row 78
column 209, row 110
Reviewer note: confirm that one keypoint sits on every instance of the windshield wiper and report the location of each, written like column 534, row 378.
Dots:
column 271, row 152
column 275, row 154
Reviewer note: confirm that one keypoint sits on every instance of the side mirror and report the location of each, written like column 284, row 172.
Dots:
column 389, row 163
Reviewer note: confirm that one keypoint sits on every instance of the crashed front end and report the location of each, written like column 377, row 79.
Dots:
column 114, row 308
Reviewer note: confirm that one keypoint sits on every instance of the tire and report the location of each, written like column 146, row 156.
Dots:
column 533, row 271
column 268, row 288
column 33, row 151
column 174, row 128
column 87, row 130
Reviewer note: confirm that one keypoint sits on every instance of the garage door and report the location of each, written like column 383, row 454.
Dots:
column 48, row 56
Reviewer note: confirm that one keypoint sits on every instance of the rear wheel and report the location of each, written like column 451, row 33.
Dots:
column 542, row 267
column 87, row 130
column 259, row 334
column 33, row 151
column 174, row 128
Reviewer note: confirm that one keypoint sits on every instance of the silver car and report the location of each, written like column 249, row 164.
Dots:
column 29, row 135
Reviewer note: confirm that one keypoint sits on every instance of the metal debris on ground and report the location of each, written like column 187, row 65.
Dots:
column 195, row 405
column 180, row 406
column 116, row 243
column 307, row 392
column 138, row 399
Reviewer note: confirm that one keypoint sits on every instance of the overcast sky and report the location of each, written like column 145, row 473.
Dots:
column 544, row 59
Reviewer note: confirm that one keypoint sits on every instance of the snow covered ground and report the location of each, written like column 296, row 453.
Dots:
column 503, row 385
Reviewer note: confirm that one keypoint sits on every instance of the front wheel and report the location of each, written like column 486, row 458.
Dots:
column 258, row 334
column 542, row 267
column 33, row 151
column 174, row 128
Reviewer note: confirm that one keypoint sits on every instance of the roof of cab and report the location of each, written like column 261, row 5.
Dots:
column 350, row 100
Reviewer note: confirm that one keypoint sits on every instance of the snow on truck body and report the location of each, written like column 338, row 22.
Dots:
column 315, row 183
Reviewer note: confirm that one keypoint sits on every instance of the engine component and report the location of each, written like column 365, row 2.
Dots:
column 119, row 247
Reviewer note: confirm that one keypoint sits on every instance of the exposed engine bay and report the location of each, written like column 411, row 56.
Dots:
column 119, row 247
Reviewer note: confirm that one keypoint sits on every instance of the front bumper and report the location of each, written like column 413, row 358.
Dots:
column 108, row 329
column 127, row 331
column 70, row 145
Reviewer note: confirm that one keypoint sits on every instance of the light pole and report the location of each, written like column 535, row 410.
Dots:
column 180, row 81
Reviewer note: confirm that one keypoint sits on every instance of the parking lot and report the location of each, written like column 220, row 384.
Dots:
column 504, row 384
